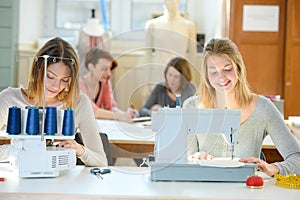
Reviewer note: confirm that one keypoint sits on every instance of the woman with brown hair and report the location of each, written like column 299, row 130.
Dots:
column 177, row 82
column 96, row 84
column 62, row 91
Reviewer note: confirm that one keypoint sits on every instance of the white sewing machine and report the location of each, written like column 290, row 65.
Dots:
column 170, row 153
column 31, row 157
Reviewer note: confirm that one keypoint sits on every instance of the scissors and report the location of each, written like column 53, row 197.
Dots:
column 100, row 171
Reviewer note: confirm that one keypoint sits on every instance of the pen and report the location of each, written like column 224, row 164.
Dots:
column 132, row 106
column 3, row 179
column 134, row 112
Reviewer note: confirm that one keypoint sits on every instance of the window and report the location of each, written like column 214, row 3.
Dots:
column 122, row 15
column 73, row 14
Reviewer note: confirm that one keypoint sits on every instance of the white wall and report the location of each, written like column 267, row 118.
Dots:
column 31, row 22
column 207, row 16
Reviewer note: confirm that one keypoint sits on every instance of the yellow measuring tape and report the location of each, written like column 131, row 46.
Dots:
column 289, row 181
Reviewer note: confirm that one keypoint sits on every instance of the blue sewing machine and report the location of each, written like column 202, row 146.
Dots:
column 170, row 152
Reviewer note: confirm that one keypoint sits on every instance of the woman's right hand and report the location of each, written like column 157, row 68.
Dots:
column 123, row 116
column 134, row 113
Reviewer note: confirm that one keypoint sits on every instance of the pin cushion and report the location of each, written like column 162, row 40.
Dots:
column 255, row 182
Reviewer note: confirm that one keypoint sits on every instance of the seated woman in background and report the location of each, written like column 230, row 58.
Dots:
column 62, row 91
column 177, row 81
column 224, row 86
column 96, row 84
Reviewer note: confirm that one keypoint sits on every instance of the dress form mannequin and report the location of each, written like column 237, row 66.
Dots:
column 93, row 26
column 168, row 36
column 90, row 36
column 171, row 34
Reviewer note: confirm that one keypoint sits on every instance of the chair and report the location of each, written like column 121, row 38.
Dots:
column 106, row 147
column 262, row 156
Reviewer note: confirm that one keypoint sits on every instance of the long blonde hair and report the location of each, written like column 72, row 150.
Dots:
column 242, row 89
column 58, row 50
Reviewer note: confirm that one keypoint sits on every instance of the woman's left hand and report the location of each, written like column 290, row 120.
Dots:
column 72, row 144
column 269, row 169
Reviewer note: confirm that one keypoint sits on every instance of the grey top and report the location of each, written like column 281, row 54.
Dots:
column 160, row 96
column 265, row 120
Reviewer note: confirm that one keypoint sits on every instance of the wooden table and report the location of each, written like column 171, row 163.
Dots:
column 270, row 152
column 128, row 140
column 135, row 140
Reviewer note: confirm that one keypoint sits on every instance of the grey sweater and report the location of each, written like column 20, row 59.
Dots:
column 160, row 96
column 265, row 120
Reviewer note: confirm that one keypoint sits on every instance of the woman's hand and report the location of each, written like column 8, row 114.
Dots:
column 133, row 112
column 73, row 145
column 123, row 116
column 154, row 108
column 269, row 169
column 200, row 156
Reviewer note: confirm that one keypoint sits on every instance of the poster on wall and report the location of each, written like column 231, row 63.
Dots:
column 260, row 18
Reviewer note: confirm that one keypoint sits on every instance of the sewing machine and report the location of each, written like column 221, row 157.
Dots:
column 170, row 152
column 30, row 156
column 29, row 128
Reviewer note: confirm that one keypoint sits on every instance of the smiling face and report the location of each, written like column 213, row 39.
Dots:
column 58, row 78
column 221, row 73
column 173, row 78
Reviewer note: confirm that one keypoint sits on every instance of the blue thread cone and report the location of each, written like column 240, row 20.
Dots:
column 68, row 128
column 51, row 121
column 33, row 123
column 14, row 121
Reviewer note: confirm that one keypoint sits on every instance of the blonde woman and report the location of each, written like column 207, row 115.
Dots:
column 224, row 86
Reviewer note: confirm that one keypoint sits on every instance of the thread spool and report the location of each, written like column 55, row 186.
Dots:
column 68, row 127
column 14, row 121
column 33, row 123
column 24, row 114
column 178, row 101
column 50, row 121
column 60, row 119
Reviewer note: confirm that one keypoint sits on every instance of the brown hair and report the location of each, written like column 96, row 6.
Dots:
column 58, row 50
column 183, row 66
column 96, row 53
column 242, row 89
